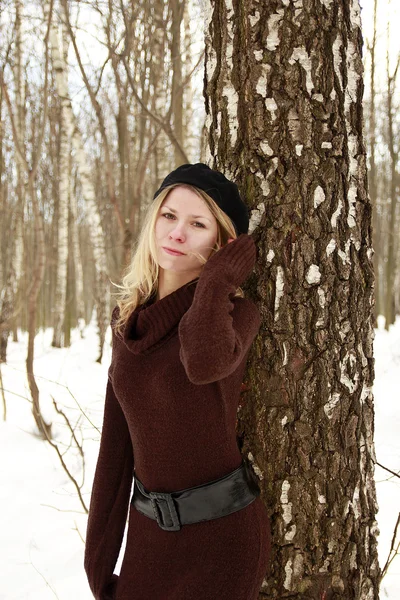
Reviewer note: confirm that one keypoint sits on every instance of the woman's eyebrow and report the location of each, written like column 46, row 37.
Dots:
column 193, row 216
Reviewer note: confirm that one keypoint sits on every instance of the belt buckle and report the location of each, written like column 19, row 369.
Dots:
column 176, row 525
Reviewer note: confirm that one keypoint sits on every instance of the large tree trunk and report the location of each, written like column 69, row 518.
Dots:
column 283, row 97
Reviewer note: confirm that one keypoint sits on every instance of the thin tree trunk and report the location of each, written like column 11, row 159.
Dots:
column 13, row 275
column 40, row 259
column 62, row 224
column 101, row 287
column 283, row 92
column 391, row 221
column 372, row 179
column 177, row 8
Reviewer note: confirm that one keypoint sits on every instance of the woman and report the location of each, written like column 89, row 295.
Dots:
column 182, row 330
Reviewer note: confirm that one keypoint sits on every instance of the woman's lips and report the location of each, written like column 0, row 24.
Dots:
column 173, row 252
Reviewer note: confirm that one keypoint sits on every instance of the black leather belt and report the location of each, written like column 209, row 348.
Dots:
column 210, row 500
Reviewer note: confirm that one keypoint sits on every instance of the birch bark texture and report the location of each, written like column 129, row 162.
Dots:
column 283, row 93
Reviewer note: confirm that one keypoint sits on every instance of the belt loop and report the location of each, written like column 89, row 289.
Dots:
column 168, row 499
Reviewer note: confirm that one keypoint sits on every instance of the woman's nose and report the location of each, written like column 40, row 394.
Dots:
column 178, row 231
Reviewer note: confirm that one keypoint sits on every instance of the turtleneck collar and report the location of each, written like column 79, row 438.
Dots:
column 154, row 322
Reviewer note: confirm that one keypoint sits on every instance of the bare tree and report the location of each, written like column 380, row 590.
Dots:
column 101, row 291
column 393, row 186
column 372, row 177
column 38, row 131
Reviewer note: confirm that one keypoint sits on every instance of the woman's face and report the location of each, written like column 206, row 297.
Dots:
column 184, row 223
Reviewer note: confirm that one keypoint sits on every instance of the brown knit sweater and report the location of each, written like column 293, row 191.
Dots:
column 170, row 407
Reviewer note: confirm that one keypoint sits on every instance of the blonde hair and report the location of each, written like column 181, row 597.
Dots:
column 140, row 277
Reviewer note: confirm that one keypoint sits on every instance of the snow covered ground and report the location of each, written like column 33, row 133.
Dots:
column 41, row 519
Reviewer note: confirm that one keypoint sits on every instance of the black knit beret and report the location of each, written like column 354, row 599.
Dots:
column 224, row 192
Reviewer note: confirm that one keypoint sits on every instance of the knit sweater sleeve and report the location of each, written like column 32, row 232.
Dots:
column 216, row 332
column 110, row 497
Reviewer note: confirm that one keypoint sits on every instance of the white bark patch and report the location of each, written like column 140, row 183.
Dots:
column 285, row 355
column 256, row 469
column 271, row 106
column 329, row 407
column 366, row 392
column 294, row 124
column 259, row 54
column 345, row 256
column 355, row 14
column 301, row 55
column 353, row 557
column 321, row 499
column 354, row 167
column 347, row 364
column 337, row 212
column 286, row 505
column 319, row 196
column 364, row 363
column 266, row 148
column 345, row 327
column 261, row 87
column 289, row 574
column 321, row 297
column 278, row 291
column 330, row 247
column 284, row 421
column 313, row 275
column 351, row 199
column 356, row 502
column 228, row 90
column 325, row 566
column 256, row 216
column 289, row 535
column 318, row 97
column 298, row 9
column 298, row 565
column 326, row 3
column 270, row 255
column 337, row 59
column 273, row 38
column 327, row 145
column 299, row 148
column 254, row 18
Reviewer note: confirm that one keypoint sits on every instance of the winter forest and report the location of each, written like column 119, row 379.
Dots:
column 297, row 101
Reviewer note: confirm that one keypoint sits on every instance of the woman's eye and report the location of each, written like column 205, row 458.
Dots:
column 173, row 216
